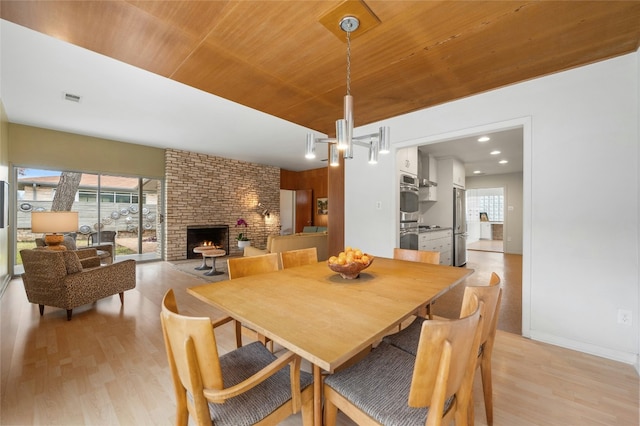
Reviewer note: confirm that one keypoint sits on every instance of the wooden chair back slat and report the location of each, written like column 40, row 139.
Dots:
column 245, row 266
column 423, row 256
column 301, row 257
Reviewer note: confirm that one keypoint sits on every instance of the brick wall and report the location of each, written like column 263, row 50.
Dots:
column 207, row 190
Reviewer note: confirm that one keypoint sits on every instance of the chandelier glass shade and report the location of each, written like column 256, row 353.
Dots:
column 378, row 143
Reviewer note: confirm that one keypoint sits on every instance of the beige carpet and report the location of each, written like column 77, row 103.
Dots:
column 188, row 267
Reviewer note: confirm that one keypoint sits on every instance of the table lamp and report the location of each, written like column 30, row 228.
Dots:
column 54, row 224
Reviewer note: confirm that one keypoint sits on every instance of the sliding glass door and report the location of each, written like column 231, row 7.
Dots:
column 125, row 211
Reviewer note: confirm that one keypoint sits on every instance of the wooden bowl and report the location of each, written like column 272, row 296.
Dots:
column 351, row 270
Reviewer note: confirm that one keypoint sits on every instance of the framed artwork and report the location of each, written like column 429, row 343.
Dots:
column 484, row 217
column 322, row 205
column 4, row 204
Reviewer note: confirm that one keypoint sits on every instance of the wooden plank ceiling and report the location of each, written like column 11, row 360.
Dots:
column 277, row 57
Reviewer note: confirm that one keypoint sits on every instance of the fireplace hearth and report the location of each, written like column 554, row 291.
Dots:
column 216, row 236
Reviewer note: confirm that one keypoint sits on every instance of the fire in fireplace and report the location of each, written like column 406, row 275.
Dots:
column 216, row 236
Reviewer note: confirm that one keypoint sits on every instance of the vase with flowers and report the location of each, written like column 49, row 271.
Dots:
column 243, row 237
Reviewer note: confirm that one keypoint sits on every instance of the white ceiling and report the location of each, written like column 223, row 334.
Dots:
column 125, row 103
column 476, row 156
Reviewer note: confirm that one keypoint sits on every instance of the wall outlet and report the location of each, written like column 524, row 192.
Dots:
column 378, row 205
column 624, row 317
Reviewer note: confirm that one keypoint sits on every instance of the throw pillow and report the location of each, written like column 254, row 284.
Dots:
column 69, row 242
column 72, row 262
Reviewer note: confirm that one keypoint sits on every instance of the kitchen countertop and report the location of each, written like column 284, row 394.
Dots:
column 421, row 230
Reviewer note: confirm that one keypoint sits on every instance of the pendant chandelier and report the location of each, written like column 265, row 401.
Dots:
column 378, row 143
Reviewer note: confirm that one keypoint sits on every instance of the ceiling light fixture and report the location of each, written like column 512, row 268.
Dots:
column 494, row 152
column 477, row 172
column 378, row 143
column 484, row 139
column 503, row 161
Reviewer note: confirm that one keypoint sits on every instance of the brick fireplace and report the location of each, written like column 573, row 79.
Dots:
column 207, row 191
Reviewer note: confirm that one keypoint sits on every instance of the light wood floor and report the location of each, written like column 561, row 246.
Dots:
column 486, row 245
column 107, row 366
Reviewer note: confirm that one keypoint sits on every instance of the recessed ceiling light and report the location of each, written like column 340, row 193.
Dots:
column 477, row 172
column 484, row 139
column 503, row 161
column 494, row 152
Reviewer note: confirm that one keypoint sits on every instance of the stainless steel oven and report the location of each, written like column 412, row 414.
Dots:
column 409, row 235
column 409, row 204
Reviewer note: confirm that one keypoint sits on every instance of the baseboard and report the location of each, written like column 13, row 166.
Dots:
column 625, row 357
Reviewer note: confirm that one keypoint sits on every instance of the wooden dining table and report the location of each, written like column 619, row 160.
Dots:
column 327, row 319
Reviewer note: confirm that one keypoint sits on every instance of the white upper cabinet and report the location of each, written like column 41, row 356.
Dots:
column 458, row 174
column 407, row 160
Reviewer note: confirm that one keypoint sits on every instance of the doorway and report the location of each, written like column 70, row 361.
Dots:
column 484, row 170
column 485, row 219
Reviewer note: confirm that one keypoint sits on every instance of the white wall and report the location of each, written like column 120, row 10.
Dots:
column 580, row 207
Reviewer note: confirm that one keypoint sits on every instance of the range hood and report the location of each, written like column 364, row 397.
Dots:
column 426, row 176
column 426, row 183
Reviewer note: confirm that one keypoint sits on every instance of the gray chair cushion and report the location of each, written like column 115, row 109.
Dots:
column 407, row 339
column 254, row 405
column 379, row 385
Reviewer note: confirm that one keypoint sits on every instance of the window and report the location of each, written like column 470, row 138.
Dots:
column 493, row 205
column 87, row 196
column 137, row 225
column 485, row 200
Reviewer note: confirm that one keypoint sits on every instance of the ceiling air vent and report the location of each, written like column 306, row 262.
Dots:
column 71, row 97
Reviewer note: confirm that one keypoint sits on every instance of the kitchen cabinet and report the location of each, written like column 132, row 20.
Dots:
column 429, row 193
column 485, row 231
column 407, row 160
column 437, row 240
column 458, row 174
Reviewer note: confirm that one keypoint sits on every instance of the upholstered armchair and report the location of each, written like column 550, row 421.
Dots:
column 59, row 278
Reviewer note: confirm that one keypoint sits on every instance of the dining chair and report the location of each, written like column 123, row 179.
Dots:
column 392, row 386
column 301, row 257
column 239, row 267
column 491, row 296
column 248, row 385
column 422, row 256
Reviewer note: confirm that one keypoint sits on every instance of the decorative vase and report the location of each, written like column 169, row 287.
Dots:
column 243, row 243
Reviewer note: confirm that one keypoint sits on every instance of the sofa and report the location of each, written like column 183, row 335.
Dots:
column 62, row 280
column 280, row 243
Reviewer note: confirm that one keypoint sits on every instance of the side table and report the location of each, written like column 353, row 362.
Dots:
column 200, row 250
column 207, row 251
column 213, row 254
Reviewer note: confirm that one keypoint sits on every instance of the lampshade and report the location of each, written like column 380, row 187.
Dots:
column 310, row 151
column 54, row 222
column 384, row 141
column 333, row 156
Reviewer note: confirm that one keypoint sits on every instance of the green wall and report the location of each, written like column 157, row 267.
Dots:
column 50, row 149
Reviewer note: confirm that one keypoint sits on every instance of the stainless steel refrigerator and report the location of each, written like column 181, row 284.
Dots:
column 459, row 227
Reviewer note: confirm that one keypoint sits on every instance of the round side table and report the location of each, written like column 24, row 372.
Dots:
column 202, row 249
column 213, row 253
